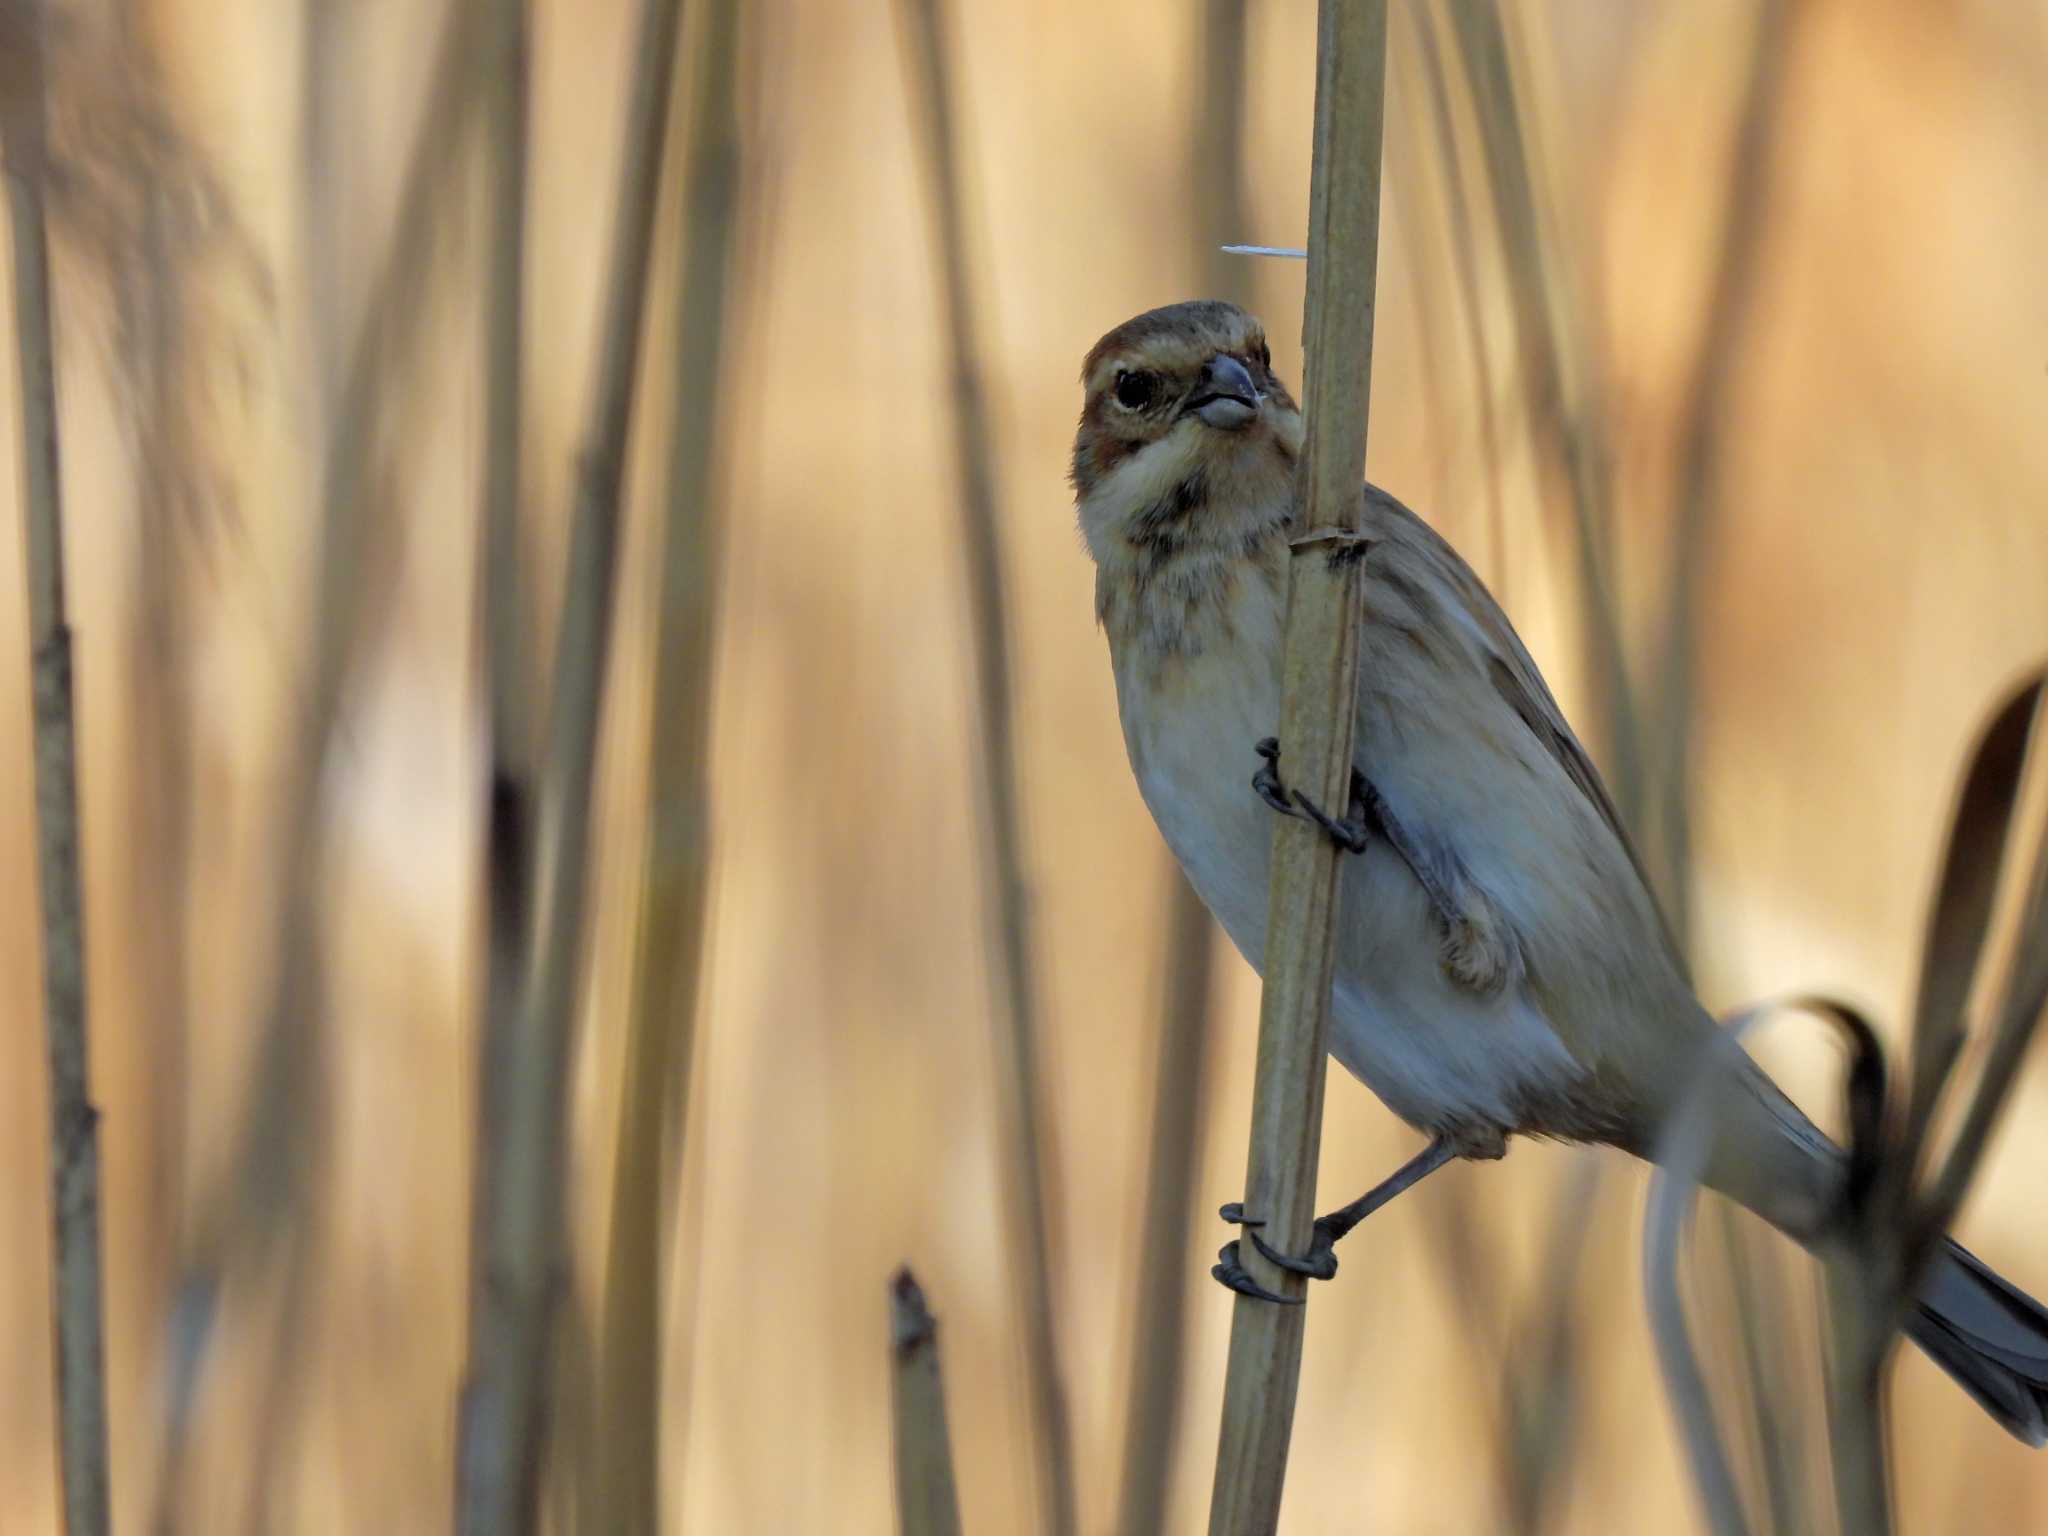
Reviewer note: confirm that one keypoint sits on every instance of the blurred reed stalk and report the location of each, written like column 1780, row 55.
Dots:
column 261, row 1200
column 675, row 868
column 1152, row 1413
column 1318, row 693
column 502, row 662
column 1558, row 396
column 926, row 1501
column 926, row 1498
column 1681, row 1160
column 1530, row 1365
column 1753, row 1273
column 1762, row 1395
column 1025, row 1154
column 1703, row 451
column 76, row 1282
column 1464, row 248
column 1904, row 1196
column 1900, row 1197
column 172, row 491
column 522, row 1184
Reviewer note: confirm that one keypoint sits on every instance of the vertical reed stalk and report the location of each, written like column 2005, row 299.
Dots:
column 1464, row 248
column 1862, row 1326
column 523, row 1183
column 1318, row 690
column 261, row 1201
column 1159, row 1318
column 503, row 662
column 927, row 1503
column 1015, row 1003
column 1556, row 391
column 1736, row 275
column 76, row 1284
column 675, row 869
column 270, row 1152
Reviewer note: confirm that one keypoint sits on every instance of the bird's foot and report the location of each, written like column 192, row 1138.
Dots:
column 1320, row 1262
column 1230, row 1272
column 1352, row 832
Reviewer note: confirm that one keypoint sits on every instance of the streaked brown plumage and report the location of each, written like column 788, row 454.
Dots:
column 1501, row 967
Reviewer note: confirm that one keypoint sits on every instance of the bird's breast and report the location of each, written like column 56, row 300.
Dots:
column 1191, row 717
column 1441, row 1058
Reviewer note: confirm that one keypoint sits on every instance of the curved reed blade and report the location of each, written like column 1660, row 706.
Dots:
column 1857, row 1438
column 1985, row 813
column 1958, row 919
column 1674, row 1188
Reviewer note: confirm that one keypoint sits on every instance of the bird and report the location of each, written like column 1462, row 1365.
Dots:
column 1501, row 966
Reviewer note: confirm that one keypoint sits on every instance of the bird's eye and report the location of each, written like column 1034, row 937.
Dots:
column 1134, row 391
column 1265, row 356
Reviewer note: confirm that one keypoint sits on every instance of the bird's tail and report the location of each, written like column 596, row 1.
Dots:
column 1988, row 1335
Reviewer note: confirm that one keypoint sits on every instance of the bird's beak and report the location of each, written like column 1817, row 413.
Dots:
column 1226, row 397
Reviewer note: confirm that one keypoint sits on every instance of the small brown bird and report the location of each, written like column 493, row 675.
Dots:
column 1501, row 966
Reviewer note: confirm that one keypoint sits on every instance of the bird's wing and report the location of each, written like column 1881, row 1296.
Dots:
column 1515, row 677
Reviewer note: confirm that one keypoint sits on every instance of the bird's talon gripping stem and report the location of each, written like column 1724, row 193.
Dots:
column 1232, row 1275
column 1320, row 1262
column 1267, row 780
column 1352, row 833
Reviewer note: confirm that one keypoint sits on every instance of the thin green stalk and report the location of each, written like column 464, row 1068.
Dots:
column 76, row 1284
column 1015, row 1003
column 502, row 1433
column 675, row 870
column 1318, row 693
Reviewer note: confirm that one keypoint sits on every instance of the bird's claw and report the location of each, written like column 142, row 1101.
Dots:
column 1266, row 782
column 1320, row 1263
column 1351, row 833
column 1232, row 1275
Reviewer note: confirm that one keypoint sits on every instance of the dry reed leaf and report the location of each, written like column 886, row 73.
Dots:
column 1959, row 919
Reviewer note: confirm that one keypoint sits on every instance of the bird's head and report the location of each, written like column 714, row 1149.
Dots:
column 1186, row 434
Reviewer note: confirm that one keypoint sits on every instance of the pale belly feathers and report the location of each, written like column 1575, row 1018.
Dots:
column 1440, row 1056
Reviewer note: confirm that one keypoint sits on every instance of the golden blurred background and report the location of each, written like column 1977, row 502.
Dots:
column 1805, row 383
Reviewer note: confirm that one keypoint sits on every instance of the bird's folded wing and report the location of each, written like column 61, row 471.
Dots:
column 1514, row 676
